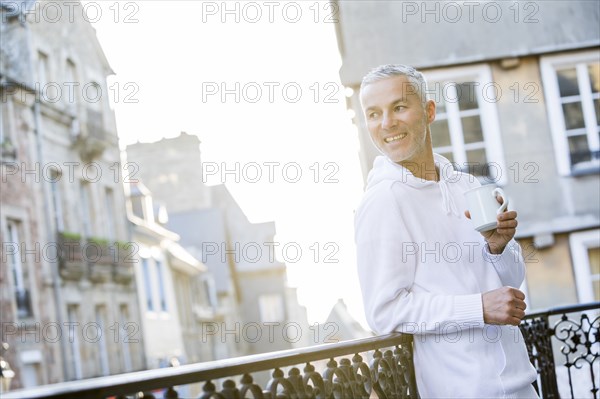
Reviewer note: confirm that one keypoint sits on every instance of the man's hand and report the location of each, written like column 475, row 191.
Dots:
column 503, row 233
column 504, row 305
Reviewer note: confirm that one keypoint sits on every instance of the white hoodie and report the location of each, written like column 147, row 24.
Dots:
column 422, row 269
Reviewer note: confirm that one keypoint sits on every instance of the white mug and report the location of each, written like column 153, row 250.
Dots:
column 484, row 207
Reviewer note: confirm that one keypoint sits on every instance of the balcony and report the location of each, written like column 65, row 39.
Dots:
column 110, row 260
column 91, row 141
column 371, row 367
column 123, row 271
column 100, row 257
column 97, row 258
column 70, row 256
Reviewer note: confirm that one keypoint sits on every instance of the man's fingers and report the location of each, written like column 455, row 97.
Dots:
column 518, row 294
column 518, row 313
column 508, row 224
column 508, row 227
column 508, row 215
column 521, row 305
column 514, row 321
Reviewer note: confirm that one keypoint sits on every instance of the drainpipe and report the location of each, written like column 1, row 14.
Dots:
column 50, row 233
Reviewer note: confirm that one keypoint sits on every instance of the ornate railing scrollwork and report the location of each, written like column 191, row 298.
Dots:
column 388, row 375
column 576, row 337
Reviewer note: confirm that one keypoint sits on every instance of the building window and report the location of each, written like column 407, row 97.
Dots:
column 7, row 132
column 271, row 308
column 73, row 316
column 102, row 347
column 585, row 250
column 18, row 269
column 572, row 89
column 161, row 285
column 147, row 285
column 31, row 374
column 86, row 207
column 110, row 213
column 210, row 292
column 71, row 79
column 30, row 368
column 43, row 69
column 129, row 337
column 466, row 128
column 57, row 200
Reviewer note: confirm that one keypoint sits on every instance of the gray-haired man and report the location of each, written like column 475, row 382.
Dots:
column 462, row 307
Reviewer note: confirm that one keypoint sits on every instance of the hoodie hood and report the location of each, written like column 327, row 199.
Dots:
column 385, row 169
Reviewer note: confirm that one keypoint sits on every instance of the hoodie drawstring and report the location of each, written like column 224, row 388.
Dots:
column 447, row 201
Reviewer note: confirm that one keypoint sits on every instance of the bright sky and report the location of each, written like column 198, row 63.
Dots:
column 175, row 54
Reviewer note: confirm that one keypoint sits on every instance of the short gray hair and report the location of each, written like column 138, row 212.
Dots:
column 416, row 78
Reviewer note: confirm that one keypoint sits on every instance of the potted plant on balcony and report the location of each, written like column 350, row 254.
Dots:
column 70, row 255
column 98, row 251
column 100, row 258
column 8, row 151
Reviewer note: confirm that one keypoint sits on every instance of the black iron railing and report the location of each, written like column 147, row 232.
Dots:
column 386, row 370
column 564, row 346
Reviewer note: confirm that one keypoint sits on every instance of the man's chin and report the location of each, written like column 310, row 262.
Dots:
column 396, row 158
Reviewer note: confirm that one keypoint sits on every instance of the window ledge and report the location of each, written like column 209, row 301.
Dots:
column 585, row 168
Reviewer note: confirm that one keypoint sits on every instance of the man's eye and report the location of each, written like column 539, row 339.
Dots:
column 373, row 115
column 399, row 108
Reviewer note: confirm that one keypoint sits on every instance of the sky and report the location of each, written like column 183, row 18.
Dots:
column 258, row 83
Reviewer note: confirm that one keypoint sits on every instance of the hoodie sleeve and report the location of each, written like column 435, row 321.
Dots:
column 386, row 281
column 509, row 264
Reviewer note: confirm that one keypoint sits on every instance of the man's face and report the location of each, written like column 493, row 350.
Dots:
column 397, row 120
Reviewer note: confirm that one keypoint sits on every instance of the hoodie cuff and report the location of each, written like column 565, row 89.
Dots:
column 500, row 259
column 468, row 309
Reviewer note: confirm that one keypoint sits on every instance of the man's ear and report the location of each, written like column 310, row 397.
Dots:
column 430, row 109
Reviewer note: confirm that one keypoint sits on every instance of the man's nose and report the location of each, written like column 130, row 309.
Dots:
column 388, row 121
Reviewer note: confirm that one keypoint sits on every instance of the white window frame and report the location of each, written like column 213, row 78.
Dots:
column 211, row 291
column 100, row 311
column 16, row 265
column 163, row 305
column 86, row 208
column 72, row 314
column 548, row 66
column 580, row 243
column 109, row 198
column 43, row 68
column 7, row 119
column 148, row 294
column 55, row 192
column 71, row 77
column 20, row 216
column 125, row 349
column 488, row 115
column 30, row 372
column 18, row 268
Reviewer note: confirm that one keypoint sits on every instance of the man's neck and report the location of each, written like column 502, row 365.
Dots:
column 426, row 170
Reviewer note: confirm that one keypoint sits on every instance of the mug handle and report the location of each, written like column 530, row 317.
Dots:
column 504, row 205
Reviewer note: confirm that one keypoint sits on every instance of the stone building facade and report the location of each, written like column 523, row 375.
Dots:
column 67, row 197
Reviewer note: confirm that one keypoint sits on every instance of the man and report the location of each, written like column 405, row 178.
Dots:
column 423, row 269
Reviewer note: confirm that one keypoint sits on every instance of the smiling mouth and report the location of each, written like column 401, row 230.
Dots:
column 395, row 138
